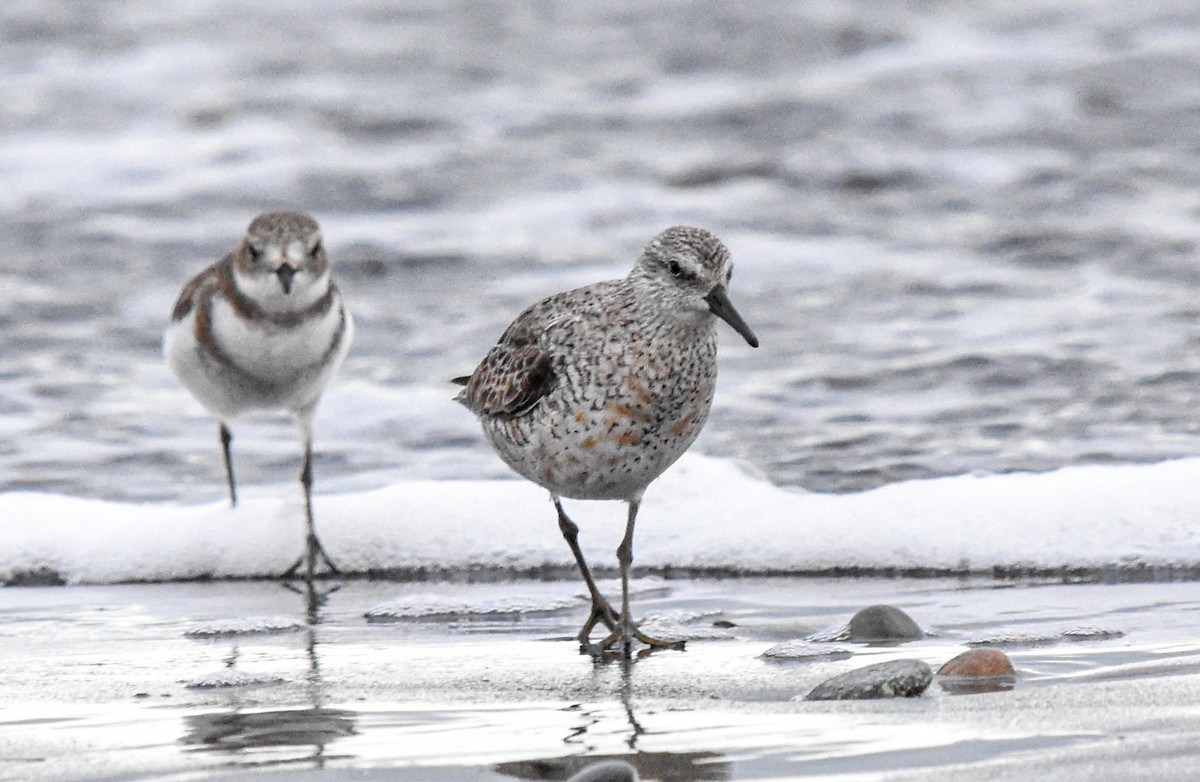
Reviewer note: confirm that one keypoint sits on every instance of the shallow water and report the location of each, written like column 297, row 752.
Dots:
column 965, row 233
column 170, row 682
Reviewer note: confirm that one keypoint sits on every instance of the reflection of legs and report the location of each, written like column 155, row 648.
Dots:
column 313, row 547
column 226, row 439
column 601, row 610
column 626, row 632
column 314, row 598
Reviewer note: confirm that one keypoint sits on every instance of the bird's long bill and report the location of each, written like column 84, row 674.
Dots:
column 720, row 305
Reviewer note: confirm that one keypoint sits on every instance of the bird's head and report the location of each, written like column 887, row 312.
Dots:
column 690, row 270
column 281, row 263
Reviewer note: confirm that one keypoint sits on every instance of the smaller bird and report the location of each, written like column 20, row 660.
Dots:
column 594, row 392
column 264, row 329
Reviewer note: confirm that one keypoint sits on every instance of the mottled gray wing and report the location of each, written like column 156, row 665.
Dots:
column 514, row 375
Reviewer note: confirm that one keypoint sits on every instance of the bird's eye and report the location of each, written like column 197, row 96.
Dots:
column 253, row 252
column 674, row 268
column 316, row 250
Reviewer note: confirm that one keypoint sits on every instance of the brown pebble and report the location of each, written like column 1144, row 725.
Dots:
column 978, row 663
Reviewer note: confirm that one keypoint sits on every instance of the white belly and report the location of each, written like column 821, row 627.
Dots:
column 264, row 368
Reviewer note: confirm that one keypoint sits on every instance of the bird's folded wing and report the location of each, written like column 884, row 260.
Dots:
column 514, row 375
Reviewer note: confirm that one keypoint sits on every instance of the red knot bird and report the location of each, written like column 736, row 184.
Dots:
column 264, row 329
column 594, row 392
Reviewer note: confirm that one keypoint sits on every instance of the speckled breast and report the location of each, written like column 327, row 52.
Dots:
column 616, row 422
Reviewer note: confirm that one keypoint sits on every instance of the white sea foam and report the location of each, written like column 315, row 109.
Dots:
column 682, row 625
column 705, row 513
column 424, row 606
column 231, row 677
column 804, row 649
column 244, row 626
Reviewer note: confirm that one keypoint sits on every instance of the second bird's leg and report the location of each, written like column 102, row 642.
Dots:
column 313, row 549
column 601, row 610
column 226, row 439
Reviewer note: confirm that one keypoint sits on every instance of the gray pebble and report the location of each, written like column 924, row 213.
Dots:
column 608, row 771
column 895, row 679
column 883, row 623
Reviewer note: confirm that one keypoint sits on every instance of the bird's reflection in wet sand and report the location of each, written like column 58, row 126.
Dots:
column 664, row 766
column 299, row 737
column 595, row 725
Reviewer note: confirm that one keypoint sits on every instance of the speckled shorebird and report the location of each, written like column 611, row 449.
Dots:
column 264, row 329
column 594, row 392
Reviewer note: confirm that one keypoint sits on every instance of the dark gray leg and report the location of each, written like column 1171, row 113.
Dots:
column 226, row 439
column 601, row 610
column 626, row 632
column 314, row 549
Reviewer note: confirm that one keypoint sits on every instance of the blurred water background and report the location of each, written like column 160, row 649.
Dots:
column 965, row 232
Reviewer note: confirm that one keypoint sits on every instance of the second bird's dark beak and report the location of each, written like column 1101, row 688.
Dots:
column 720, row 305
column 285, row 273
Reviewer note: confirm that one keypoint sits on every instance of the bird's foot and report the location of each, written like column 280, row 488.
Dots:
column 316, row 553
column 625, row 635
column 321, row 553
column 602, row 613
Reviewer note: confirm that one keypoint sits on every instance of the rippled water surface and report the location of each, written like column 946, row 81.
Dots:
column 965, row 232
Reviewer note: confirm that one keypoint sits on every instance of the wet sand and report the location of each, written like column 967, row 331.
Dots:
column 242, row 680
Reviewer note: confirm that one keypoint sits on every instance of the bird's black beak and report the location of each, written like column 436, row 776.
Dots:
column 285, row 273
column 720, row 305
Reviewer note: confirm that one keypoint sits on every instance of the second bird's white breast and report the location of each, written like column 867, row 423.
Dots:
column 275, row 353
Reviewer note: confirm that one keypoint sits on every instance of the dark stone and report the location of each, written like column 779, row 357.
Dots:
column 609, row 771
column 702, row 766
column 882, row 623
column 896, row 679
